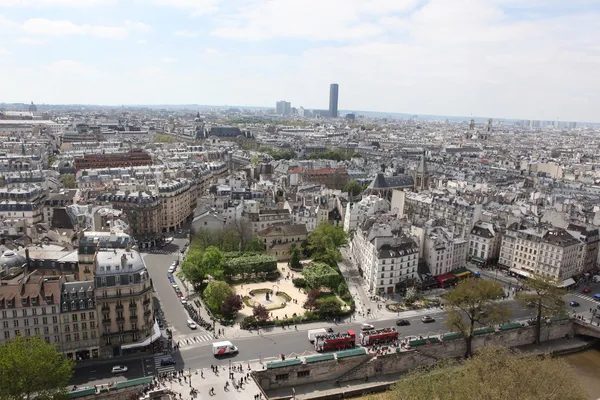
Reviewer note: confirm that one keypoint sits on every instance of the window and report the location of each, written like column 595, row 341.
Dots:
column 92, row 325
column 26, row 322
column 67, row 337
column 24, row 313
column 6, row 335
column 74, row 317
column 16, row 323
column 84, row 335
column 303, row 374
column 76, row 336
column 282, row 377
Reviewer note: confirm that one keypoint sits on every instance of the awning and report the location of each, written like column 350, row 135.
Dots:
column 477, row 259
column 567, row 282
column 155, row 335
column 461, row 274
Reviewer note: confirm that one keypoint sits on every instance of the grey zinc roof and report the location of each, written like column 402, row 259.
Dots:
column 389, row 182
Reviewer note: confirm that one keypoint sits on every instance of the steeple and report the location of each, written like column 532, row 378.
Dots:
column 421, row 178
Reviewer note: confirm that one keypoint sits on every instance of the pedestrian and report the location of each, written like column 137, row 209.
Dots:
column 202, row 374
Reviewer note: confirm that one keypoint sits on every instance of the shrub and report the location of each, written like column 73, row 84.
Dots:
column 299, row 282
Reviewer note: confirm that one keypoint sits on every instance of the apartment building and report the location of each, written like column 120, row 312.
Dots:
column 548, row 252
column 385, row 257
column 443, row 252
column 589, row 236
column 131, row 158
column 30, row 306
column 92, row 241
column 484, row 243
column 459, row 215
column 24, row 203
column 266, row 218
column 123, row 292
column 278, row 239
column 144, row 214
column 79, row 321
column 357, row 213
column 178, row 199
column 334, row 178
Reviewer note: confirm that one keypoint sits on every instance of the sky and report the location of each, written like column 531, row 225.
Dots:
column 524, row 59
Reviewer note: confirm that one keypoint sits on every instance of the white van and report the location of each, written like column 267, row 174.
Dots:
column 596, row 278
column 314, row 332
column 224, row 348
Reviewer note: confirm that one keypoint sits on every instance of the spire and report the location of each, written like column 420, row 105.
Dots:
column 422, row 169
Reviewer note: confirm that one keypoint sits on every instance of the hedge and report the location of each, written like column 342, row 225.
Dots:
column 250, row 265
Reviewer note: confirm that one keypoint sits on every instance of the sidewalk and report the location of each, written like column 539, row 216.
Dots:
column 208, row 383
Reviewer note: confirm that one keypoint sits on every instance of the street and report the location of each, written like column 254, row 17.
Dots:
column 100, row 371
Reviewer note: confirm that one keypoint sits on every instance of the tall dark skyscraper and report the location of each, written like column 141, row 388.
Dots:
column 333, row 100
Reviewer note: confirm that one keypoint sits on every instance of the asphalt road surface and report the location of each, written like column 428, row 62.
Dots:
column 100, row 371
column 292, row 343
column 157, row 264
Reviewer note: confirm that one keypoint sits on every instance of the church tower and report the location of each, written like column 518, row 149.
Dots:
column 420, row 177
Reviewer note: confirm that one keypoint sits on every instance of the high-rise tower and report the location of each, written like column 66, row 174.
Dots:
column 333, row 100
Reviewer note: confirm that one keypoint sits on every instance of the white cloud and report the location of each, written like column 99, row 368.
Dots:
column 142, row 42
column 168, row 60
column 56, row 3
column 47, row 27
column 310, row 19
column 212, row 51
column 31, row 41
column 68, row 67
column 3, row 51
column 186, row 33
column 195, row 7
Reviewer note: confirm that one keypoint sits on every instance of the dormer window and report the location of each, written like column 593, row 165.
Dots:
column 81, row 305
column 64, row 307
column 24, row 301
column 34, row 301
column 90, row 303
column 73, row 306
column 81, row 292
column 48, row 298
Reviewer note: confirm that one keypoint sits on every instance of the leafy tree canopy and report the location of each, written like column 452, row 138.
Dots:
column 546, row 297
column 68, row 181
column 231, row 305
column 319, row 275
column 354, row 188
column 216, row 293
column 255, row 245
column 32, row 368
column 326, row 240
column 472, row 304
column 494, row 373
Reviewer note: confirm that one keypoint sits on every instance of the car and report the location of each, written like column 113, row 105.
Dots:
column 171, row 269
column 402, row 322
column 176, row 263
column 427, row 319
column 118, row 369
column 587, row 290
column 179, row 294
column 183, row 301
column 167, row 361
column 366, row 327
column 574, row 303
column 191, row 324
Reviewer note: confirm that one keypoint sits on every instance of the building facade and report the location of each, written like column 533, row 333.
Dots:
column 133, row 158
column 178, row 199
column 484, row 243
column 549, row 252
column 79, row 321
column 385, row 258
column 123, row 302
column 30, row 306
column 443, row 252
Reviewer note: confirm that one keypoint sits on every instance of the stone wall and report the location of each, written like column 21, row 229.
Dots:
column 361, row 367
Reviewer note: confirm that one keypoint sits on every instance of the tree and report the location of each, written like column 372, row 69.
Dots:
column 32, row 368
column 216, row 293
column 494, row 373
column 68, row 181
column 295, row 257
column 260, row 313
column 311, row 300
column 472, row 302
column 326, row 240
column 319, row 275
column 254, row 160
column 329, row 307
column 231, row 306
column 544, row 293
column 213, row 260
column 255, row 245
column 354, row 188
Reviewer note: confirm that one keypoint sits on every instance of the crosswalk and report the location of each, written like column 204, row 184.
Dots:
column 190, row 340
column 585, row 296
column 161, row 251
column 161, row 369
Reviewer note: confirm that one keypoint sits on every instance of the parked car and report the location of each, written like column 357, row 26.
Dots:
column 171, row 269
column 118, row 369
column 427, row 319
column 574, row 303
column 402, row 322
column 167, row 361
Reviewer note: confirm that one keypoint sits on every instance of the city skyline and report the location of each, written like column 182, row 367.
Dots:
column 499, row 58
